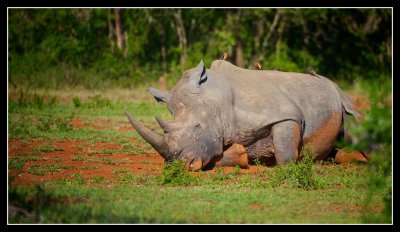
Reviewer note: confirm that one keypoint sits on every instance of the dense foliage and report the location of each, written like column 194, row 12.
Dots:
column 57, row 47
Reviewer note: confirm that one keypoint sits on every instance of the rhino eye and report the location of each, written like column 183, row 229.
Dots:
column 197, row 126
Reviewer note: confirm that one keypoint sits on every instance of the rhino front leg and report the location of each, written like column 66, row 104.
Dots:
column 233, row 156
column 286, row 139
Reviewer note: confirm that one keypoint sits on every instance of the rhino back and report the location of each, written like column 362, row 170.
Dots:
column 261, row 98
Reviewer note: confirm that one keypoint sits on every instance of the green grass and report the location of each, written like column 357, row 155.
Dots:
column 43, row 169
column 19, row 161
column 121, row 170
column 143, row 199
column 297, row 193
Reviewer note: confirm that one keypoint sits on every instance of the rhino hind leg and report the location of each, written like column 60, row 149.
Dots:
column 286, row 138
column 341, row 156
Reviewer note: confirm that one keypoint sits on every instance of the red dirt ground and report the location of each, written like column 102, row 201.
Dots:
column 148, row 163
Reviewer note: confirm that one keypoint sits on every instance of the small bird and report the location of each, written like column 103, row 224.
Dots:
column 224, row 56
column 311, row 71
column 258, row 66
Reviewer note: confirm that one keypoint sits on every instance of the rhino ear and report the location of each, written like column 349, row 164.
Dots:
column 160, row 95
column 202, row 70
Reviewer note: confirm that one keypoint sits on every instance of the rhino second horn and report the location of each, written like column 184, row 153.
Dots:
column 166, row 126
column 155, row 139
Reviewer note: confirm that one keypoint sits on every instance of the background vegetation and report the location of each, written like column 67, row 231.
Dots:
column 96, row 47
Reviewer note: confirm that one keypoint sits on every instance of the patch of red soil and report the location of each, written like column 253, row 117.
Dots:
column 125, row 128
column 355, row 208
column 91, row 166
column 108, row 145
column 80, row 123
column 255, row 206
column 102, row 122
column 99, row 124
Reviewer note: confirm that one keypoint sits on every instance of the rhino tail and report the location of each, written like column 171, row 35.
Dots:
column 347, row 105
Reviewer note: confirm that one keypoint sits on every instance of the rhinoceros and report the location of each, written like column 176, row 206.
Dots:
column 227, row 115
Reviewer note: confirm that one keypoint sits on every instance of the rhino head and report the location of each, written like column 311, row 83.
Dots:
column 194, row 135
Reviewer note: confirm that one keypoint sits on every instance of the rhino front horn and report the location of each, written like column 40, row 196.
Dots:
column 155, row 139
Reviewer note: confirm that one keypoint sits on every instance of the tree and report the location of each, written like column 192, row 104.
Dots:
column 180, row 31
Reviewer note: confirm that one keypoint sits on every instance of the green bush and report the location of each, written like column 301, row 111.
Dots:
column 176, row 174
column 374, row 136
column 301, row 174
column 76, row 101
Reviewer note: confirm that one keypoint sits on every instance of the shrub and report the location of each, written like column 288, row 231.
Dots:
column 76, row 101
column 300, row 174
column 176, row 174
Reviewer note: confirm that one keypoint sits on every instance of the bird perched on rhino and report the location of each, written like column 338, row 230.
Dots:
column 224, row 55
column 311, row 72
column 258, row 66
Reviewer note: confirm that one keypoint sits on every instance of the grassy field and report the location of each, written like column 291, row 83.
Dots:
column 73, row 158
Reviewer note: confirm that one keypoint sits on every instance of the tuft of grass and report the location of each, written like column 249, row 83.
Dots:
column 301, row 174
column 257, row 162
column 220, row 175
column 46, row 148
column 137, row 179
column 176, row 174
column 109, row 161
column 98, row 179
column 15, row 163
column 19, row 161
column 89, row 167
column 77, row 178
column 43, row 169
column 121, row 170
column 64, row 123
column 97, row 101
column 76, row 101
column 20, row 126
column 106, row 151
column 45, row 123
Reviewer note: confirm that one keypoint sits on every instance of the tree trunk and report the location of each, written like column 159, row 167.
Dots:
column 239, row 61
column 111, row 31
column 163, row 79
column 257, row 55
column 180, row 30
column 163, row 49
column 118, row 28
column 126, row 44
column 279, row 40
column 277, row 17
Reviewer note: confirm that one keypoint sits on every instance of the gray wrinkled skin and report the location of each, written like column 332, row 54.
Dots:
column 259, row 109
